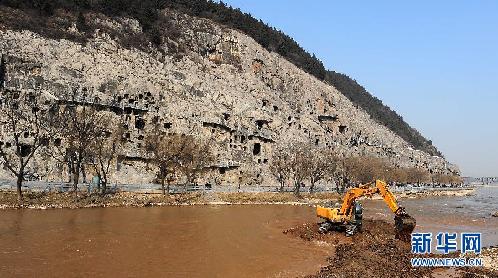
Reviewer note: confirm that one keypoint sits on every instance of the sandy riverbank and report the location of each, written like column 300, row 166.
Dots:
column 8, row 199
column 41, row 200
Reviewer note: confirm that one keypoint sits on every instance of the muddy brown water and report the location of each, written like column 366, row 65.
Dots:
column 196, row 241
column 200, row 241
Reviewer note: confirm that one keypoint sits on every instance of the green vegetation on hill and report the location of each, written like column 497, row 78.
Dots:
column 155, row 27
column 378, row 111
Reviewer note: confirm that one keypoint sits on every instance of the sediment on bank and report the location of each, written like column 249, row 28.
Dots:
column 433, row 193
column 375, row 252
column 45, row 200
column 276, row 197
column 42, row 200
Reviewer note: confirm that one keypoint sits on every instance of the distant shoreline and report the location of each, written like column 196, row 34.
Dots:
column 41, row 201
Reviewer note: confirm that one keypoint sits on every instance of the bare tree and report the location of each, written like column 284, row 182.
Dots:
column 398, row 175
column 365, row 169
column 196, row 158
column 78, row 127
column 280, row 166
column 104, row 150
column 446, row 179
column 341, row 178
column 167, row 151
column 300, row 160
column 322, row 164
column 244, row 177
column 456, row 179
column 23, row 133
column 417, row 175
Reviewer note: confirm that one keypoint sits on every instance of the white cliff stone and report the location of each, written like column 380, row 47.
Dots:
column 226, row 87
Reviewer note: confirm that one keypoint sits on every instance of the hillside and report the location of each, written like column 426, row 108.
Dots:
column 192, row 76
column 378, row 111
column 156, row 27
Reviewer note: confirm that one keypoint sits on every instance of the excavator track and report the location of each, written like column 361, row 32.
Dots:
column 404, row 225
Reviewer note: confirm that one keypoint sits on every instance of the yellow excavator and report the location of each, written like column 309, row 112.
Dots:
column 349, row 215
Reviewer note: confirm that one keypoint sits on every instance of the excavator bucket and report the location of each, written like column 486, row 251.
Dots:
column 404, row 225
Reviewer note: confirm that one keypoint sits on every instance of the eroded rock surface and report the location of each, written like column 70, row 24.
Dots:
column 223, row 86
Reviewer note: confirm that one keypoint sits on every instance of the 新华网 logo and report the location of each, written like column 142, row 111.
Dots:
column 446, row 243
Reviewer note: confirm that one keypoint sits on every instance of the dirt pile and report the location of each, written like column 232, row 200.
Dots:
column 490, row 258
column 309, row 232
column 373, row 253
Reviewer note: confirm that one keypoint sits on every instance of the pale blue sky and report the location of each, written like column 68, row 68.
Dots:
column 434, row 62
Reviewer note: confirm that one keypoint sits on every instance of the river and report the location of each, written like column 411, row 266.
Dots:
column 195, row 241
column 200, row 241
column 449, row 214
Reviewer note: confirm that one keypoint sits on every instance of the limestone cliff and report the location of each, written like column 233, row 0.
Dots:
column 222, row 85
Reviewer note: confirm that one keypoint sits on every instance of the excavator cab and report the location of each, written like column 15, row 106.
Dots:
column 350, row 215
column 335, row 222
column 355, row 223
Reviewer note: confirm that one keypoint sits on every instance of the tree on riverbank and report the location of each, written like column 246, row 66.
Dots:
column 294, row 164
column 280, row 166
column 446, row 179
column 166, row 151
column 322, row 165
column 104, row 150
column 417, row 176
column 356, row 170
column 174, row 154
column 78, row 129
column 196, row 159
column 365, row 169
column 300, row 162
column 23, row 133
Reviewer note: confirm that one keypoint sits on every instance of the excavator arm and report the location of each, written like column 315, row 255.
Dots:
column 353, row 194
column 388, row 196
column 367, row 190
column 404, row 223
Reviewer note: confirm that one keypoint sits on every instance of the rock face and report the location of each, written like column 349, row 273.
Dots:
column 225, row 87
